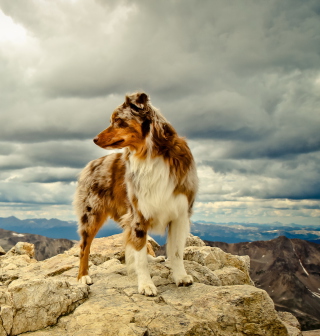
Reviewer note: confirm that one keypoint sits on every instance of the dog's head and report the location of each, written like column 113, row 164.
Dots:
column 129, row 124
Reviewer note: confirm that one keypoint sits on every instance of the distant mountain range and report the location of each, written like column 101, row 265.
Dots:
column 52, row 228
column 223, row 232
column 289, row 270
column 249, row 232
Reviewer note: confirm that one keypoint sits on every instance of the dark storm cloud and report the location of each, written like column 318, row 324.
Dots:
column 6, row 148
column 55, row 193
column 218, row 47
column 278, row 146
column 240, row 79
column 224, row 75
column 72, row 154
column 293, row 178
column 57, row 119
column 40, row 174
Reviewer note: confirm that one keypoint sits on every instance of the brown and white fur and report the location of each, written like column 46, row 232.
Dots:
column 150, row 186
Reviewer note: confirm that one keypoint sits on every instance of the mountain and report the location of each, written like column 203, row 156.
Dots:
column 246, row 232
column 52, row 228
column 44, row 247
column 55, row 228
column 224, row 232
column 289, row 270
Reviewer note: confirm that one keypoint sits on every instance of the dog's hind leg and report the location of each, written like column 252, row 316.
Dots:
column 177, row 235
column 89, row 226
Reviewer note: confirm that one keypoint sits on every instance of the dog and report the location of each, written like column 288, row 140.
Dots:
column 151, row 185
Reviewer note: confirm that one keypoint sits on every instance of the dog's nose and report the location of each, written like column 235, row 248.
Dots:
column 95, row 140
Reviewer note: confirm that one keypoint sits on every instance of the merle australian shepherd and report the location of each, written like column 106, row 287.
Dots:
column 150, row 186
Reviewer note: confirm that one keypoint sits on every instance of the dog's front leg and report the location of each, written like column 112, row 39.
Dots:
column 139, row 260
column 136, row 252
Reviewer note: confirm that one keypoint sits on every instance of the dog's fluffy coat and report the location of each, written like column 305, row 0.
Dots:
column 150, row 186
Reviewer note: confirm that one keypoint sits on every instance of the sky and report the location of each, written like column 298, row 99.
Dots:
column 239, row 79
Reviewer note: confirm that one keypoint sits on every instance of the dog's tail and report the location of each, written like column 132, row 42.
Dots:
column 130, row 260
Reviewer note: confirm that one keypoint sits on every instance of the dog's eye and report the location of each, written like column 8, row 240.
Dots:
column 120, row 123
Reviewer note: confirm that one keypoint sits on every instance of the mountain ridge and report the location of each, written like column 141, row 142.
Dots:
column 44, row 247
column 289, row 270
column 232, row 232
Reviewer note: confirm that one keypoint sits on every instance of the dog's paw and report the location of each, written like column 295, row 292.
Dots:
column 86, row 280
column 148, row 289
column 183, row 280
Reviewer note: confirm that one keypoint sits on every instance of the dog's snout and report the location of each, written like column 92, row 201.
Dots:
column 95, row 140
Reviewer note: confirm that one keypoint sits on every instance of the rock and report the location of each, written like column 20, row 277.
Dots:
column 311, row 333
column 222, row 301
column 238, row 310
column 177, row 311
column 6, row 314
column 2, row 251
column 230, row 269
column 230, row 276
column 103, row 250
column 36, row 304
column 22, row 248
column 2, row 331
column 11, row 267
column 44, row 299
column 194, row 241
column 291, row 323
column 154, row 244
column 202, row 274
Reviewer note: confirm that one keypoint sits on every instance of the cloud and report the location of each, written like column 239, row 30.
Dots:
column 73, row 154
column 240, row 80
column 36, row 210
column 40, row 174
column 265, row 179
column 37, row 193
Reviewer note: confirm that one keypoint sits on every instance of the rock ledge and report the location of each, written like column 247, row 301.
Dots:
column 44, row 299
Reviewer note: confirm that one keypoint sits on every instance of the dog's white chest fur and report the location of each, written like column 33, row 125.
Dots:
column 154, row 187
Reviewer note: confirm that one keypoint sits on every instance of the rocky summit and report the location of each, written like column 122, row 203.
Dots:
column 43, row 298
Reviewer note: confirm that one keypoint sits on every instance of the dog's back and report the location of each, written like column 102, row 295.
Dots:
column 101, row 191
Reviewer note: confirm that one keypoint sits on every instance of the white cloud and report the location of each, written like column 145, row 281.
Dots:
column 10, row 31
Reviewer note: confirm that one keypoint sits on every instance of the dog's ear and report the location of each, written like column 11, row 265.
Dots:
column 138, row 100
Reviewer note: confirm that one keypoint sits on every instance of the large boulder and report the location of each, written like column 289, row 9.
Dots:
column 230, row 269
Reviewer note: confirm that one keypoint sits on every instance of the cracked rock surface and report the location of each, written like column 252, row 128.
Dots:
column 45, row 299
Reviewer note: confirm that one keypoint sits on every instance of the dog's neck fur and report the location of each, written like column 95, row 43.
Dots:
column 161, row 168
